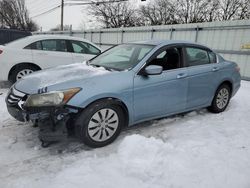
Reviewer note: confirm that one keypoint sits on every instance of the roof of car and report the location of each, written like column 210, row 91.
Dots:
column 30, row 39
column 167, row 42
column 54, row 37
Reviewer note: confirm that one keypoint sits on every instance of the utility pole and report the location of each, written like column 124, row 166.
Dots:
column 62, row 9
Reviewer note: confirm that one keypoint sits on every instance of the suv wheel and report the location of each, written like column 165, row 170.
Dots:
column 100, row 123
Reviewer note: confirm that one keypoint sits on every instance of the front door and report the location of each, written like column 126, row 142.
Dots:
column 160, row 95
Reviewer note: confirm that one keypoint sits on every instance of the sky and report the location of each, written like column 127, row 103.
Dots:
column 73, row 15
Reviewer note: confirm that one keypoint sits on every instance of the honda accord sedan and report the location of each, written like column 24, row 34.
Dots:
column 128, row 84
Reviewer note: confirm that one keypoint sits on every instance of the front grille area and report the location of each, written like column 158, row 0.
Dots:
column 15, row 96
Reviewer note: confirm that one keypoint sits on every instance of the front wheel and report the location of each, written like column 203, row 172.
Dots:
column 100, row 123
column 221, row 99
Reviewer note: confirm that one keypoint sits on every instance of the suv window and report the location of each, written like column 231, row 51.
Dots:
column 168, row 58
column 84, row 48
column 49, row 45
column 197, row 56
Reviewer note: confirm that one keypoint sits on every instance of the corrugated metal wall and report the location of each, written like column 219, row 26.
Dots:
column 226, row 37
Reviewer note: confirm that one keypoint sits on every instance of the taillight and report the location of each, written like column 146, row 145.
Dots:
column 1, row 51
column 237, row 68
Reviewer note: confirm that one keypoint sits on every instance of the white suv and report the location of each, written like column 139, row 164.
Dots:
column 37, row 52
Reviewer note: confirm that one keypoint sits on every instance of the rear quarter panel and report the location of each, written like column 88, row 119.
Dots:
column 11, row 57
column 228, row 72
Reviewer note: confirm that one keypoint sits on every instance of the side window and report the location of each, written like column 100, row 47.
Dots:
column 197, row 56
column 54, row 45
column 143, row 53
column 161, row 55
column 212, row 57
column 34, row 46
column 84, row 48
column 169, row 58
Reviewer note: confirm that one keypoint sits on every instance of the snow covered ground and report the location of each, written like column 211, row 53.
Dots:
column 197, row 150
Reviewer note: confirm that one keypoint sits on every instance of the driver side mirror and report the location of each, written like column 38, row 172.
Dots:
column 153, row 70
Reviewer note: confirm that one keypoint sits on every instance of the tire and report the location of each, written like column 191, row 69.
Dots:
column 22, row 70
column 221, row 99
column 100, row 123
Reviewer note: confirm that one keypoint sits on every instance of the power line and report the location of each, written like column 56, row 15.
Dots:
column 70, row 3
column 46, row 12
column 76, row 4
column 97, row 3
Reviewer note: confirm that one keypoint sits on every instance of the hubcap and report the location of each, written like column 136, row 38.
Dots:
column 103, row 125
column 23, row 73
column 222, row 98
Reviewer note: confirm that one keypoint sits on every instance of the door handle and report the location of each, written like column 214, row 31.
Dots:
column 215, row 69
column 182, row 75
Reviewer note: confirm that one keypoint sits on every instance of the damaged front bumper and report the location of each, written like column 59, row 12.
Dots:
column 52, row 121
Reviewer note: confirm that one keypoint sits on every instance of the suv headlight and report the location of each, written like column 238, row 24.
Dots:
column 55, row 98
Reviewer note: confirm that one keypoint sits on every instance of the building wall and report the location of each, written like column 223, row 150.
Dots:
column 227, row 38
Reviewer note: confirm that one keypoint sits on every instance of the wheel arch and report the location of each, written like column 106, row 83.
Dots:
column 23, row 64
column 117, row 101
column 227, row 82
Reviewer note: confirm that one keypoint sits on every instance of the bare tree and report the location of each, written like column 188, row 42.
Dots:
column 160, row 12
column 244, row 12
column 114, row 14
column 234, row 9
column 191, row 11
column 14, row 14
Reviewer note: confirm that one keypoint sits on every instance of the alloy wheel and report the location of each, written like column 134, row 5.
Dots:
column 23, row 73
column 222, row 98
column 103, row 125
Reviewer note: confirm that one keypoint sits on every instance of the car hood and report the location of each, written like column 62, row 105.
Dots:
column 61, row 75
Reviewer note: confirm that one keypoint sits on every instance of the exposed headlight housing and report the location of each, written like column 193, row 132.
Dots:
column 55, row 98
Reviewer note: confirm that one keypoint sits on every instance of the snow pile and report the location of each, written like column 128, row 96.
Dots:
column 197, row 150
column 136, row 159
column 149, row 162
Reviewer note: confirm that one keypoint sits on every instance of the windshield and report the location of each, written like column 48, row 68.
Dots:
column 122, row 57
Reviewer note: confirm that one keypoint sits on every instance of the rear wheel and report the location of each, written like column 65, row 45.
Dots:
column 100, row 123
column 221, row 99
column 20, row 71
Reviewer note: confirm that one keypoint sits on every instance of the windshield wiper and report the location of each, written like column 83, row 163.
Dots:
column 93, row 65
column 107, row 68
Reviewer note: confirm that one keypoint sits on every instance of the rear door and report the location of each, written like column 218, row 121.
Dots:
column 82, row 51
column 50, row 53
column 203, row 75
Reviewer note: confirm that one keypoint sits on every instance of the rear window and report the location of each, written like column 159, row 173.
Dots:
column 197, row 56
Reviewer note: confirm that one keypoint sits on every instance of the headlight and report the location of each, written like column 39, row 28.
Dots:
column 55, row 98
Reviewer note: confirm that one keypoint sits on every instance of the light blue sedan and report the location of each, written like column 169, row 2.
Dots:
column 127, row 84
